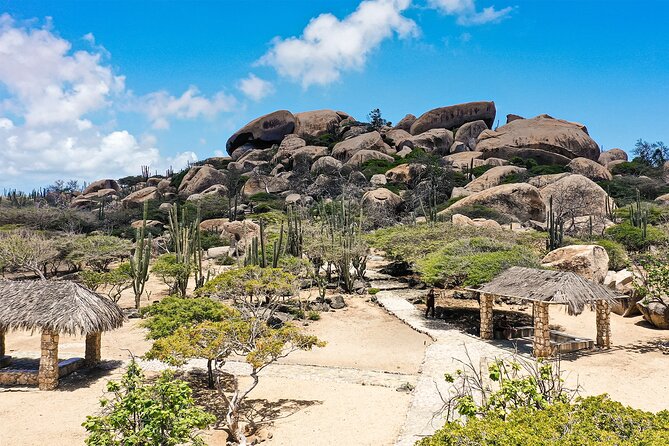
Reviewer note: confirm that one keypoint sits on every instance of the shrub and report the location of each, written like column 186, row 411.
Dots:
column 375, row 166
column 480, row 170
column 373, row 291
column 633, row 238
column 623, row 189
column 314, row 316
column 617, row 255
column 163, row 318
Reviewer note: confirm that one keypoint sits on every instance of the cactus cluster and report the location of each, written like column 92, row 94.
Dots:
column 638, row 216
column 186, row 243
column 555, row 228
column 139, row 261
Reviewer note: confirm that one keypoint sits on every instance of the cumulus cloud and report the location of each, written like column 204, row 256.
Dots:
column 466, row 13
column 47, row 91
column 329, row 46
column 255, row 87
column 160, row 106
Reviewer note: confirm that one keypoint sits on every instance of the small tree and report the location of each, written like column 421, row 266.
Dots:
column 115, row 281
column 25, row 250
column 173, row 273
column 98, row 251
column 375, row 119
column 138, row 413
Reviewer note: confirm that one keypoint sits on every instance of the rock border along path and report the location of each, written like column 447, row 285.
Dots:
column 450, row 346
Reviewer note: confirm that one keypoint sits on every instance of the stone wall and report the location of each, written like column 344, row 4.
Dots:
column 18, row 378
column 542, row 337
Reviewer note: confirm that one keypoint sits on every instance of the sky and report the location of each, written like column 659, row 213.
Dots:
column 95, row 89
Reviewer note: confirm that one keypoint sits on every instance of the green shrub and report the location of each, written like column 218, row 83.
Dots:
column 636, row 167
column 480, row 170
column 165, row 317
column 623, row 189
column 473, row 261
column 373, row 291
column 617, row 255
column 375, row 166
column 314, row 316
column 225, row 261
column 212, row 239
column 632, row 238
column 589, row 421
column 546, row 169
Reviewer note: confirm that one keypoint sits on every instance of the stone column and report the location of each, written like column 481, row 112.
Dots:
column 603, row 312
column 93, row 348
column 542, row 336
column 48, row 364
column 2, row 344
column 486, row 302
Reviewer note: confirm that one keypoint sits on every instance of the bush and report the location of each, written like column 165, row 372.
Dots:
column 473, row 261
column 617, row 255
column 165, row 317
column 373, row 291
column 623, row 189
column 375, row 166
column 633, row 238
column 591, row 421
column 314, row 316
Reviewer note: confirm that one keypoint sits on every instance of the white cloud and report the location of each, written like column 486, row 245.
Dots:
column 6, row 124
column 466, row 12
column 160, row 106
column 255, row 87
column 329, row 46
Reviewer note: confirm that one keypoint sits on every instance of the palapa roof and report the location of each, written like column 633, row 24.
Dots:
column 549, row 286
column 61, row 306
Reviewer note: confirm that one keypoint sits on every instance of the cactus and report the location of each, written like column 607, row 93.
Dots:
column 639, row 216
column 555, row 228
column 139, row 261
column 295, row 234
column 610, row 208
column 187, row 247
column 145, row 172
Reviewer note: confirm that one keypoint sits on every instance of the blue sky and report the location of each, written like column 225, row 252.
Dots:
column 91, row 89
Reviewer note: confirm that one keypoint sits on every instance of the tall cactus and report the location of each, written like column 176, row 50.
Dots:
column 139, row 261
column 186, row 243
column 555, row 228
column 639, row 216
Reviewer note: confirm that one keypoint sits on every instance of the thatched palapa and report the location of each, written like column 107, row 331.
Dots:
column 548, row 286
column 57, row 306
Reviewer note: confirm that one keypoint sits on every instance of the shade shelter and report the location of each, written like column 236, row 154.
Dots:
column 52, row 308
column 544, row 288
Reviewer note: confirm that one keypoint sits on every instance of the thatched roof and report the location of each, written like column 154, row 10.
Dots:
column 62, row 306
column 540, row 285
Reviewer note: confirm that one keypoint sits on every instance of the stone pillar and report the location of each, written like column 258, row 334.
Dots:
column 486, row 302
column 48, row 374
column 542, row 336
column 93, row 348
column 603, row 312
column 2, row 344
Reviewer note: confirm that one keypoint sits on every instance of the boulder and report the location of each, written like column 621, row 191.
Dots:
column 462, row 160
column 519, row 200
column 103, row 193
column 353, row 131
column 663, row 199
column 154, row 224
column 396, row 137
column 362, row 156
column 405, row 173
column 576, row 196
column 613, row 164
column 612, row 155
column 326, row 165
column 588, row 261
column 325, row 186
column 404, row 152
column 469, row 132
column 589, row 169
column 454, row 116
column 293, row 198
column 318, row 122
column 263, row 131
column 200, row 178
column 541, row 181
column 405, row 123
column 493, row 177
column 310, row 153
column 511, row 117
column 382, row 199
column 665, row 172
column 165, row 186
column 344, row 150
column 101, row 184
column 464, row 221
column 543, row 138
column 655, row 311
column 240, row 233
column 138, row 198
column 378, row 180
column 336, row 302
column 264, row 183
column 459, row 147
column 219, row 251
column 217, row 190
column 435, row 141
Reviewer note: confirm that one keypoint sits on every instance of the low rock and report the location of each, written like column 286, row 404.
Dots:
column 468, row 134
column 405, row 173
column 493, row 177
column 588, row 261
column 464, row 221
column 138, row 198
column 102, row 184
column 405, row 123
column 589, row 169
column 378, row 180
column 326, row 165
column 435, row 141
column 372, row 141
column 382, row 199
column 519, row 200
column 612, row 155
column 263, row 131
column 336, row 302
column 264, row 183
column 200, row 178
column 362, row 156
column 655, row 311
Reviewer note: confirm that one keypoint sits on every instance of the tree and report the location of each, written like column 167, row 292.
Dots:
column 25, row 250
column 655, row 154
column 163, row 413
column 98, row 251
column 172, row 272
column 115, row 281
column 375, row 119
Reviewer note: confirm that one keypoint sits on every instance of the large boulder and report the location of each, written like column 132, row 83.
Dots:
column 462, row 160
column 325, row 186
column 263, row 131
column 493, row 177
column 382, row 200
column 519, row 200
column 344, row 150
column 264, row 183
column 290, row 144
column 665, row 172
column 546, row 139
column 318, row 122
column 200, row 178
column 469, row 132
column 405, row 173
column 588, row 261
column 309, row 153
column 454, row 116
column 326, row 165
column 576, row 196
column 239, row 233
column 464, row 221
column 542, row 181
column 101, row 184
column 362, row 156
column 435, row 141
column 589, row 169
column 655, row 311
column 396, row 137
column 406, row 122
column 612, row 155
column 137, row 198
